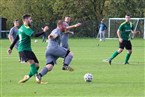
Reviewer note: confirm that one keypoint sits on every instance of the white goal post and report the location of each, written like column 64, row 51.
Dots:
column 136, row 24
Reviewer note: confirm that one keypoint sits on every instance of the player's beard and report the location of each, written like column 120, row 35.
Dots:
column 63, row 30
column 29, row 24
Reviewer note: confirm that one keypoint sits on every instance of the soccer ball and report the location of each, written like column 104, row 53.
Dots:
column 88, row 77
column 36, row 41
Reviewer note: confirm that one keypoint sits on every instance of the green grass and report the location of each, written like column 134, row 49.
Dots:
column 117, row 80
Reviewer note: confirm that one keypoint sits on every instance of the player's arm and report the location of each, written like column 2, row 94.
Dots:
column 105, row 27
column 69, row 32
column 121, row 27
column 119, row 36
column 10, row 36
column 73, row 26
column 53, row 36
column 44, row 30
column 13, row 44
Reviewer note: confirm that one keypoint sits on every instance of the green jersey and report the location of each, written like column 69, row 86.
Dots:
column 125, row 29
column 24, row 34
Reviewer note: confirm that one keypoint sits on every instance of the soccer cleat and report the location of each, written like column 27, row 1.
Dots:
column 26, row 78
column 38, row 79
column 68, row 68
column 43, row 83
column 126, row 63
column 22, row 62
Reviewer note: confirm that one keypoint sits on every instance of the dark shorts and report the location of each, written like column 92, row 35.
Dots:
column 28, row 55
column 126, row 44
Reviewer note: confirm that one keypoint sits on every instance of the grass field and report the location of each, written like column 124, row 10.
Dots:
column 117, row 80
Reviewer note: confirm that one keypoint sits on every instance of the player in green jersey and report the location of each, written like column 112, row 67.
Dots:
column 24, row 47
column 123, row 33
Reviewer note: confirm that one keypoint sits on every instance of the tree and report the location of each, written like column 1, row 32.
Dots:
column 118, row 8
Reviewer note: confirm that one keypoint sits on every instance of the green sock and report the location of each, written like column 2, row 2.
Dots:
column 127, row 57
column 114, row 55
column 33, row 70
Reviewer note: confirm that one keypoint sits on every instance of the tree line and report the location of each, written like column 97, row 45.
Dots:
column 88, row 12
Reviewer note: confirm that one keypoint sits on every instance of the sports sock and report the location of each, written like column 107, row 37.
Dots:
column 114, row 55
column 33, row 70
column 43, row 71
column 31, row 74
column 68, row 59
column 127, row 57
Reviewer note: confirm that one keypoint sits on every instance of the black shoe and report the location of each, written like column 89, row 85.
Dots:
column 126, row 63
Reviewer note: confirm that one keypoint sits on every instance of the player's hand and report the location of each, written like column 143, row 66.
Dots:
column 45, row 29
column 50, row 36
column 136, row 32
column 9, row 51
column 78, row 24
column 120, row 40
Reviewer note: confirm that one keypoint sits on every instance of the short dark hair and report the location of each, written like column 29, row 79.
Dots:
column 127, row 15
column 26, row 16
column 59, row 22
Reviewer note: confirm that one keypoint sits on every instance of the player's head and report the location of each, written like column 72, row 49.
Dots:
column 61, row 25
column 127, row 17
column 67, row 19
column 16, row 23
column 27, row 19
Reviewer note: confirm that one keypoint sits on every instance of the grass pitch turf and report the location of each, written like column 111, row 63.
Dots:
column 117, row 80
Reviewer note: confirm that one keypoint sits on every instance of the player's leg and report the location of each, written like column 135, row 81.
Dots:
column 20, row 58
column 50, row 61
column 33, row 56
column 129, row 51
column 68, row 58
column 33, row 71
column 43, row 72
column 29, row 57
column 67, row 55
column 103, row 35
column 121, row 47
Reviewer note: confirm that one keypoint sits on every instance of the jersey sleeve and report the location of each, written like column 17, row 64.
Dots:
column 55, row 32
column 120, row 27
column 11, row 31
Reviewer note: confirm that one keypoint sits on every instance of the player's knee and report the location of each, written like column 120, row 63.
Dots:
column 70, row 55
column 129, row 51
column 31, row 61
column 49, row 67
column 37, row 65
column 120, row 50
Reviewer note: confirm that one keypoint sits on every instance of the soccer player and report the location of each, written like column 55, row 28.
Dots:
column 102, row 28
column 13, row 32
column 65, row 36
column 44, row 37
column 123, row 33
column 24, row 48
column 54, row 51
column 12, row 35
